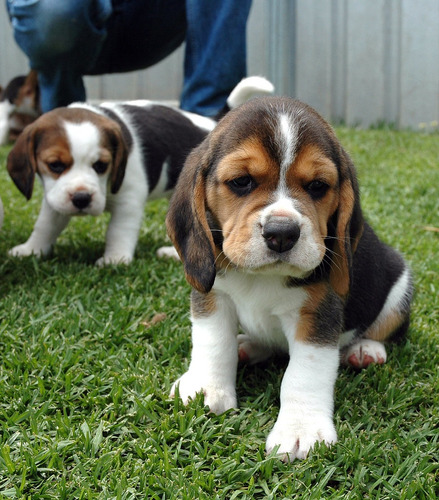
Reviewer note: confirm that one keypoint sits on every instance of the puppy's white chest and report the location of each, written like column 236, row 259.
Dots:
column 267, row 309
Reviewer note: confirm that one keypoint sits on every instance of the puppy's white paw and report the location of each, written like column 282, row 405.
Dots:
column 114, row 259
column 25, row 250
column 364, row 353
column 168, row 253
column 217, row 397
column 250, row 351
column 295, row 437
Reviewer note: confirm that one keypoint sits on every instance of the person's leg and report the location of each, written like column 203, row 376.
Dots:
column 215, row 59
column 65, row 40
column 62, row 40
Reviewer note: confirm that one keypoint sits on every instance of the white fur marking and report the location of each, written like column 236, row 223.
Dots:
column 284, row 206
column 346, row 338
column 84, row 141
column 167, row 253
column 6, row 108
column 200, row 121
column 160, row 188
column 396, row 296
column 287, row 141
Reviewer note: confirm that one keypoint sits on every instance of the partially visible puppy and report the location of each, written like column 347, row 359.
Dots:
column 19, row 106
column 266, row 218
column 109, row 157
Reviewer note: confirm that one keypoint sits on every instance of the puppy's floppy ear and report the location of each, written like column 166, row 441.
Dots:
column 119, row 149
column 348, row 222
column 22, row 161
column 187, row 224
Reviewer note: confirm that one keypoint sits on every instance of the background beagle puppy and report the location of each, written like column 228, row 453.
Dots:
column 266, row 218
column 108, row 157
column 19, row 106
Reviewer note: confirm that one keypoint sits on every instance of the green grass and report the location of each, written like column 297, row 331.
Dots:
column 85, row 372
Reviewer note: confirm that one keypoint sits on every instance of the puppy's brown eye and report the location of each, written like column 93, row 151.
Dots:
column 100, row 167
column 242, row 185
column 57, row 167
column 317, row 189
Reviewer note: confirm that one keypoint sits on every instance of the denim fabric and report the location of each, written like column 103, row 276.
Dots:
column 62, row 40
column 66, row 39
column 215, row 57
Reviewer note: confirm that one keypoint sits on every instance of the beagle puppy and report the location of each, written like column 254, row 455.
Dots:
column 19, row 106
column 267, row 221
column 108, row 157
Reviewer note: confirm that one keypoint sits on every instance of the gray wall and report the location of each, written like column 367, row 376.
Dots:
column 365, row 61
column 357, row 61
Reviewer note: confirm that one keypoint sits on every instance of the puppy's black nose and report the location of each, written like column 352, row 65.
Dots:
column 81, row 199
column 280, row 235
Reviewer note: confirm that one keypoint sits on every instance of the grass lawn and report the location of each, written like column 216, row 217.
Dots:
column 88, row 356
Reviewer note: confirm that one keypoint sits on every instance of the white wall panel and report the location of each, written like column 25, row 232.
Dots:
column 357, row 61
column 419, row 80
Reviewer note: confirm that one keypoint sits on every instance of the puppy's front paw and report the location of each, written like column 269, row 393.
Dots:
column 114, row 259
column 217, row 397
column 25, row 250
column 296, row 437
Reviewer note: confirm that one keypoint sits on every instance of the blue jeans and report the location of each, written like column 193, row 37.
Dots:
column 65, row 40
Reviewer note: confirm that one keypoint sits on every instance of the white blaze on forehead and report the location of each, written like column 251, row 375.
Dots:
column 84, row 139
column 286, row 138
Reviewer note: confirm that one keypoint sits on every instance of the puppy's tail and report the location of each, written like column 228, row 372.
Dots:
column 247, row 88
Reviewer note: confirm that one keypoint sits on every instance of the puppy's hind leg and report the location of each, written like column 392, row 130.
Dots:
column 391, row 324
column 363, row 353
column 251, row 351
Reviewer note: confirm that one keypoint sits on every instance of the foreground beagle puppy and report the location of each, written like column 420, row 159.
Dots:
column 266, row 218
column 109, row 157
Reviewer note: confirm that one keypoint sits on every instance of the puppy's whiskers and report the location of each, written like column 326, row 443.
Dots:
column 221, row 254
column 330, row 256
